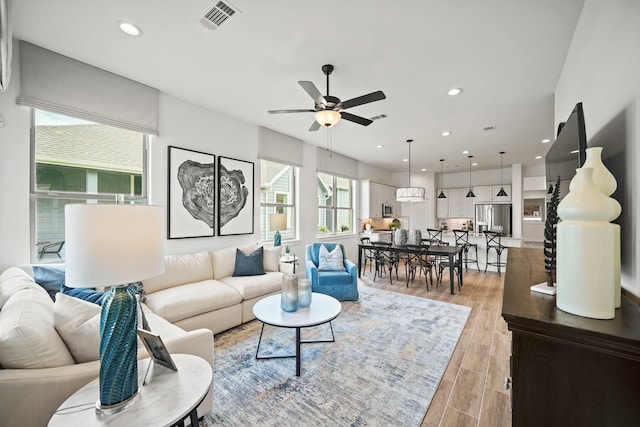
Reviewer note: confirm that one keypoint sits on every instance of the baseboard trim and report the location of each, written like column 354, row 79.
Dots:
column 633, row 298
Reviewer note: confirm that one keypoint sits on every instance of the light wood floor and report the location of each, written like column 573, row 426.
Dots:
column 472, row 391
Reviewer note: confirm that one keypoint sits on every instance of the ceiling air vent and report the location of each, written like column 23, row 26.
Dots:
column 217, row 16
column 378, row 117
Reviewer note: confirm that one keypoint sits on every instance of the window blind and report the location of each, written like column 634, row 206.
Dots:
column 336, row 164
column 278, row 147
column 57, row 83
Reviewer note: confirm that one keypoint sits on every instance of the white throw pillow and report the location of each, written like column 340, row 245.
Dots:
column 271, row 258
column 78, row 323
column 330, row 261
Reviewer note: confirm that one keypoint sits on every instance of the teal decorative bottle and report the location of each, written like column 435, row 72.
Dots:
column 118, row 348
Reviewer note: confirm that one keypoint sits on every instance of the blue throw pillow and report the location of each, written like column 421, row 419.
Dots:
column 51, row 278
column 249, row 264
column 86, row 294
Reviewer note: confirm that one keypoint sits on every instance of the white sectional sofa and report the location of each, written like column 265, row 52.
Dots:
column 196, row 297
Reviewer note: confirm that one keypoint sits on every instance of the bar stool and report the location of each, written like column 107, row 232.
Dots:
column 462, row 239
column 494, row 242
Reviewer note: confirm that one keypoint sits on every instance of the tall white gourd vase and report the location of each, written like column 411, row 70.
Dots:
column 585, row 250
column 606, row 182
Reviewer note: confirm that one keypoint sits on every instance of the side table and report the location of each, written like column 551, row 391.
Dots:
column 167, row 399
column 290, row 259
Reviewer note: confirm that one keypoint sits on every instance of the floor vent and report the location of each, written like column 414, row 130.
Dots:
column 378, row 117
column 217, row 16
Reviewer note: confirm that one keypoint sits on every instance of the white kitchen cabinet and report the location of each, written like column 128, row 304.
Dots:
column 487, row 193
column 373, row 195
column 534, row 183
column 456, row 196
column 467, row 206
column 442, row 205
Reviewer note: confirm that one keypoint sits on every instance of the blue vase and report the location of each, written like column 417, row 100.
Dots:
column 304, row 293
column 118, row 346
column 289, row 293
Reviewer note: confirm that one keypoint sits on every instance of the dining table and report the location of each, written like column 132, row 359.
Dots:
column 437, row 250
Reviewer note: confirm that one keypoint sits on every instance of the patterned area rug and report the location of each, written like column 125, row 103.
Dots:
column 390, row 353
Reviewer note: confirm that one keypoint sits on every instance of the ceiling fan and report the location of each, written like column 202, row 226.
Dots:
column 329, row 109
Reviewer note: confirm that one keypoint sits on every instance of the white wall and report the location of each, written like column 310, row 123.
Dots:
column 181, row 124
column 602, row 70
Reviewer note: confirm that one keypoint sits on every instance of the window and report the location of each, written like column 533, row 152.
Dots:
column 76, row 161
column 335, row 204
column 277, row 195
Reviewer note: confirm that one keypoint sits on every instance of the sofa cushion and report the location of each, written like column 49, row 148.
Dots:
column 254, row 286
column 271, row 258
column 180, row 269
column 78, row 323
column 191, row 299
column 28, row 338
column 335, row 278
column 223, row 261
column 14, row 279
column 249, row 264
column 330, row 261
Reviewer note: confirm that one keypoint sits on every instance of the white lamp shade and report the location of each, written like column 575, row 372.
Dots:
column 278, row 221
column 410, row 194
column 109, row 245
column 328, row 117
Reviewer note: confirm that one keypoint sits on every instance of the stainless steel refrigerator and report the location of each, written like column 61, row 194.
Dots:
column 495, row 217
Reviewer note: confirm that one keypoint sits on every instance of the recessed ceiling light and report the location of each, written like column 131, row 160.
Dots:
column 129, row 28
column 474, row 164
column 546, row 141
column 465, row 152
column 423, row 169
column 446, row 133
column 538, row 157
column 405, row 160
column 379, row 146
column 454, row 91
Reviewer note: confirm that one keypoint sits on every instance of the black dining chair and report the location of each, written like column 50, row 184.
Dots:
column 494, row 242
column 419, row 260
column 51, row 249
column 462, row 239
column 384, row 259
column 368, row 253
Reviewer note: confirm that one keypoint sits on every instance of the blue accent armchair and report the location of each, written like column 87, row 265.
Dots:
column 342, row 285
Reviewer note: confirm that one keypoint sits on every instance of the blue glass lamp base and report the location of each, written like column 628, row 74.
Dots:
column 118, row 349
column 277, row 239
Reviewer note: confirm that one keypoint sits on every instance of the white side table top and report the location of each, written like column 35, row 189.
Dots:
column 167, row 398
column 323, row 309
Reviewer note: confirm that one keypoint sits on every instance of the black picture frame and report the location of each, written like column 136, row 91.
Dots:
column 235, row 196
column 156, row 349
column 190, row 193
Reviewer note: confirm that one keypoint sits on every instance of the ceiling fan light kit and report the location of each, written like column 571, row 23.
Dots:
column 410, row 194
column 330, row 109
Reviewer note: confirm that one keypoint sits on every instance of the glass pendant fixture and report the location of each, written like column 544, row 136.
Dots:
column 441, row 195
column 501, row 193
column 470, row 193
column 410, row 194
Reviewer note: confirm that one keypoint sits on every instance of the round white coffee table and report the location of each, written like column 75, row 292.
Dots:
column 168, row 397
column 323, row 309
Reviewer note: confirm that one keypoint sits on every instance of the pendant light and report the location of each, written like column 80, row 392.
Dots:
column 410, row 194
column 501, row 193
column 470, row 193
column 441, row 195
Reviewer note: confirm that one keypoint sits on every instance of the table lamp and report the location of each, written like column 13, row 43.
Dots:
column 277, row 222
column 114, row 245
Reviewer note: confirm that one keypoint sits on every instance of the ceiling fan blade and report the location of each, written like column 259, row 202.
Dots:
column 314, row 127
column 364, row 99
column 355, row 119
column 290, row 111
column 313, row 92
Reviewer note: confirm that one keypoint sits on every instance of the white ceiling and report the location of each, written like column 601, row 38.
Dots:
column 507, row 55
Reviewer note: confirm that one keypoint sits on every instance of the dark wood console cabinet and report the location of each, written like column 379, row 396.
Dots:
column 568, row 370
